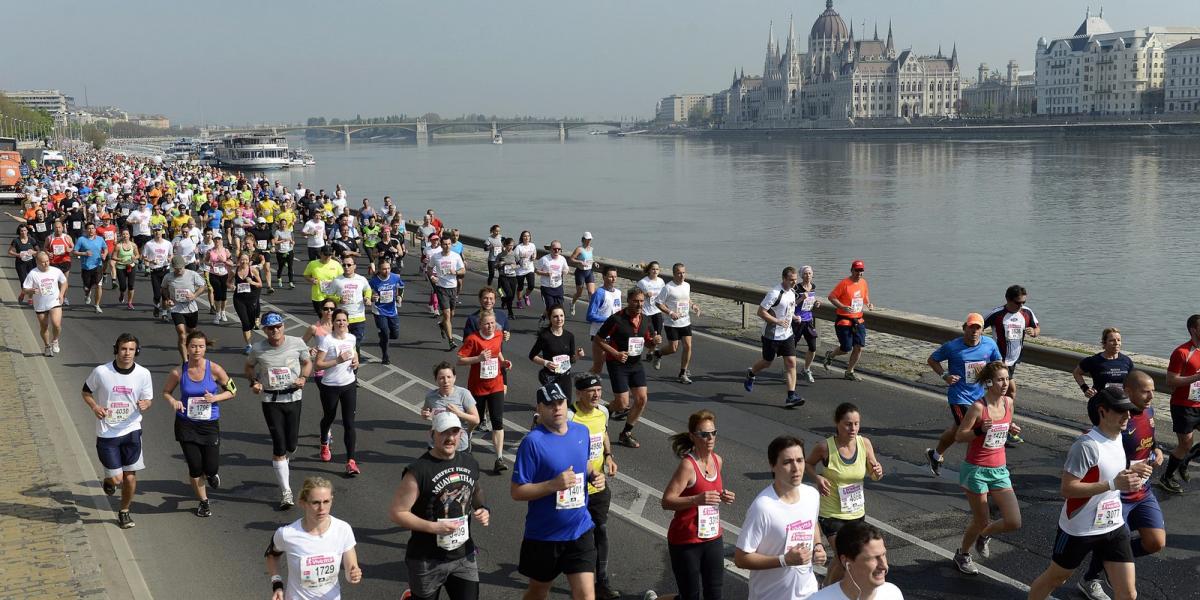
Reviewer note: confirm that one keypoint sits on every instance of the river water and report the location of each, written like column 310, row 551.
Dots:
column 1098, row 230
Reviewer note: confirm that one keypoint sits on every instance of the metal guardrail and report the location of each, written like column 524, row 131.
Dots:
column 900, row 325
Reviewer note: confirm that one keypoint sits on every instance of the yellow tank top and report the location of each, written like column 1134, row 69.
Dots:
column 845, row 500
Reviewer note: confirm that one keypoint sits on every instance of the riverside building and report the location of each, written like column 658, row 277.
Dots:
column 994, row 94
column 1182, row 87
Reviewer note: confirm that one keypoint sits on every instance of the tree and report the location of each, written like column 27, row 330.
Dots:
column 94, row 136
column 699, row 115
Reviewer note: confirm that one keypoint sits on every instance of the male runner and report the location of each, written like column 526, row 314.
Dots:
column 1183, row 377
column 964, row 356
column 591, row 413
column 675, row 302
column 850, row 296
column 776, row 311
column 623, row 337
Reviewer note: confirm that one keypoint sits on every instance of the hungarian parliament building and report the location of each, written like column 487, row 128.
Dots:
column 841, row 78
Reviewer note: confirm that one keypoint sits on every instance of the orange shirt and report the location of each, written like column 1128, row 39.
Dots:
column 853, row 295
column 1185, row 361
column 486, row 377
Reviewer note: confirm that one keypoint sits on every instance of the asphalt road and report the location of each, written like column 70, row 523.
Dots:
column 180, row 555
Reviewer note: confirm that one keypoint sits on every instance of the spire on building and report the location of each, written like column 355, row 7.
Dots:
column 940, row 55
column 890, row 48
column 877, row 31
column 791, row 39
column 954, row 55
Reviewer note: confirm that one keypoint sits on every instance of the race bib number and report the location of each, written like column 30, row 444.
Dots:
column 58, row 249
column 46, row 287
column 996, row 436
column 39, row 227
column 561, row 363
column 198, row 409
column 455, row 539
column 574, row 496
column 1014, row 333
column 799, row 533
column 285, row 246
column 386, row 296
column 279, row 377
column 1194, row 391
column 261, row 244
column 326, row 286
column 219, row 269
column 446, row 267
column 76, row 225
column 682, row 307
column 852, row 497
column 1108, row 513
column 489, row 368
column 595, row 446
column 972, row 369
column 708, row 521
column 183, row 295
column 242, row 288
column 636, row 345
column 118, row 412
column 526, row 264
column 809, row 301
column 510, row 271
column 856, row 305
column 110, row 236
column 318, row 570
column 555, row 279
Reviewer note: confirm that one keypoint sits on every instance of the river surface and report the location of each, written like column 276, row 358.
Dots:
column 1098, row 230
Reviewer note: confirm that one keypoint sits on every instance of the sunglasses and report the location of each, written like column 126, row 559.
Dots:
column 270, row 327
column 327, row 309
column 706, row 434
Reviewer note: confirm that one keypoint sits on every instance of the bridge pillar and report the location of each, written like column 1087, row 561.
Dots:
column 346, row 134
column 422, row 132
column 562, row 131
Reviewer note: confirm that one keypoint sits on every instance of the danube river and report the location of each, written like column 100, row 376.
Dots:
column 1098, row 230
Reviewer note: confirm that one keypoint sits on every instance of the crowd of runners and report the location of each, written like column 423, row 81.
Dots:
column 200, row 235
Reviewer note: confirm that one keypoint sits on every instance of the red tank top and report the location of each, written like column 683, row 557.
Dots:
column 684, row 528
column 60, row 250
column 987, row 450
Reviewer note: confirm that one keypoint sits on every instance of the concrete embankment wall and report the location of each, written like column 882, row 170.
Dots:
column 1061, row 130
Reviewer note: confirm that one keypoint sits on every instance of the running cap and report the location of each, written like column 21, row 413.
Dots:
column 445, row 421
column 974, row 319
column 262, row 219
column 550, row 394
column 1115, row 399
column 272, row 319
column 587, row 380
column 587, row 235
column 179, row 262
column 858, row 264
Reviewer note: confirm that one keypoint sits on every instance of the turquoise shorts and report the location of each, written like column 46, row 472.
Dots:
column 981, row 480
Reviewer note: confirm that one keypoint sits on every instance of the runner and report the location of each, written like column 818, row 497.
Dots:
column 197, row 415
column 555, row 351
column 1107, row 368
column 247, row 289
column 284, row 243
column 508, row 263
column 526, row 255
column 437, row 497
column 696, row 492
column 218, row 261
column 863, row 557
column 448, row 397
column 94, row 253
column 590, row 412
column 964, row 358
column 675, row 302
column 1139, row 507
column 338, row 358
column 315, row 547
column 487, row 301
column 602, row 304
column 157, row 253
column 353, row 293
column 278, row 368
column 446, row 265
column 493, row 245
column 321, row 273
column 804, row 325
column 550, row 474
column 482, row 350
column 652, row 284
column 550, row 269
column 986, row 427
column 118, row 392
column 46, row 286
column 108, row 232
column 1091, row 519
column 623, row 337
column 1183, row 377
column 1011, row 322
column 850, row 296
column 314, row 233
column 840, row 484
column 781, row 540
column 126, row 261
column 60, row 246
column 24, row 251
column 776, row 311
column 583, row 257
column 387, row 291
column 180, row 288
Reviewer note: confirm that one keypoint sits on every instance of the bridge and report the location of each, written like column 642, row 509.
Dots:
column 424, row 130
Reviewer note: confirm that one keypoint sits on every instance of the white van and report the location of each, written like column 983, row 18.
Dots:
column 53, row 158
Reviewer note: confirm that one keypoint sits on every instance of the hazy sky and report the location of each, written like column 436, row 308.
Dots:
column 257, row 61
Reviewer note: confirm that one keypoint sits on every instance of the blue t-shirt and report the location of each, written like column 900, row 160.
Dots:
column 392, row 284
column 965, row 361
column 472, row 324
column 543, row 456
column 215, row 216
column 96, row 246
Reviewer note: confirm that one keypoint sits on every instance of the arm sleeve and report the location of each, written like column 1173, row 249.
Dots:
column 751, row 535
column 772, row 297
column 536, row 350
column 1175, row 365
column 147, row 385
column 525, row 465
column 1082, row 456
column 941, row 353
column 594, row 304
column 1033, row 318
column 1087, row 364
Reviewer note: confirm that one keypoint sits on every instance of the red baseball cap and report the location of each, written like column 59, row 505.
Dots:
column 858, row 264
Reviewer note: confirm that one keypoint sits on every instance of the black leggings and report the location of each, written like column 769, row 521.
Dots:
column 508, row 289
column 456, row 589
column 220, row 287
column 246, row 306
column 156, row 279
column 698, row 567
column 285, row 260
column 525, row 282
column 492, row 404
column 201, row 459
column 283, row 422
column 347, row 396
column 598, row 504
column 126, row 278
column 23, row 269
column 491, row 272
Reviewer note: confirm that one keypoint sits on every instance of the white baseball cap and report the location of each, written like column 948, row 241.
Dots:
column 445, row 421
column 587, row 235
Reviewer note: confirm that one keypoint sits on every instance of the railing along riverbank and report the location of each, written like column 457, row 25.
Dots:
column 907, row 325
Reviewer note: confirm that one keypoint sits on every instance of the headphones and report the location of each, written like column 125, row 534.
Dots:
column 987, row 383
column 125, row 338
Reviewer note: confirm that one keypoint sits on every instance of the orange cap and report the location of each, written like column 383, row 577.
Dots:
column 974, row 319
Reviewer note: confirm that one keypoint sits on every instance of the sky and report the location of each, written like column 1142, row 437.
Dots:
column 262, row 61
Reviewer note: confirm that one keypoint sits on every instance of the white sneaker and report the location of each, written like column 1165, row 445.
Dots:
column 809, row 376
column 1092, row 590
column 572, row 309
column 54, row 346
column 650, row 595
column 98, row 309
column 224, row 317
column 217, row 320
column 48, row 352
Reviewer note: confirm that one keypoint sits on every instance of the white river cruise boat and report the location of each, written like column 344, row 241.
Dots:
column 253, row 151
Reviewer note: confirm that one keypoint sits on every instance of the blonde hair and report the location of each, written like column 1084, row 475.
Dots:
column 312, row 483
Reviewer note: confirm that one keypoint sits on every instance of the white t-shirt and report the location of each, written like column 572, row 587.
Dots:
column 771, row 528
column 351, row 291
column 157, row 254
column 1093, row 457
column 526, row 254
column 782, row 304
column 315, row 230
column 314, row 563
column 119, row 393
column 556, row 267
column 678, row 298
column 651, row 287
column 185, row 247
column 47, row 284
column 140, row 219
column 340, row 374
column 887, row 591
column 445, row 267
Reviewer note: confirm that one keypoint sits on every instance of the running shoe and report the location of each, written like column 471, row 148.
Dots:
column 499, row 465
column 157, row 312
column 214, row 481
column 54, row 347
column 1183, row 471
column 793, row 400
column 285, row 500
column 1014, row 439
column 850, row 376
column 270, row 290
column 48, row 352
column 484, row 426
column 129, row 306
column 828, row 359
column 626, row 439
column 572, row 309
column 685, row 378
column 749, row 382
column 352, row 468
column 224, row 317
column 110, row 488
column 650, row 595
column 217, row 320
column 1168, row 484
column 603, row 592
column 809, row 376
column 656, row 360
column 385, row 360
column 935, row 464
column 113, row 285
column 407, row 595
column 983, row 546
column 452, row 344
column 291, row 286
column 249, row 348
column 326, row 455
column 965, row 563
column 1092, row 589
column 203, row 510
column 98, row 309
column 619, row 415
column 125, row 520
